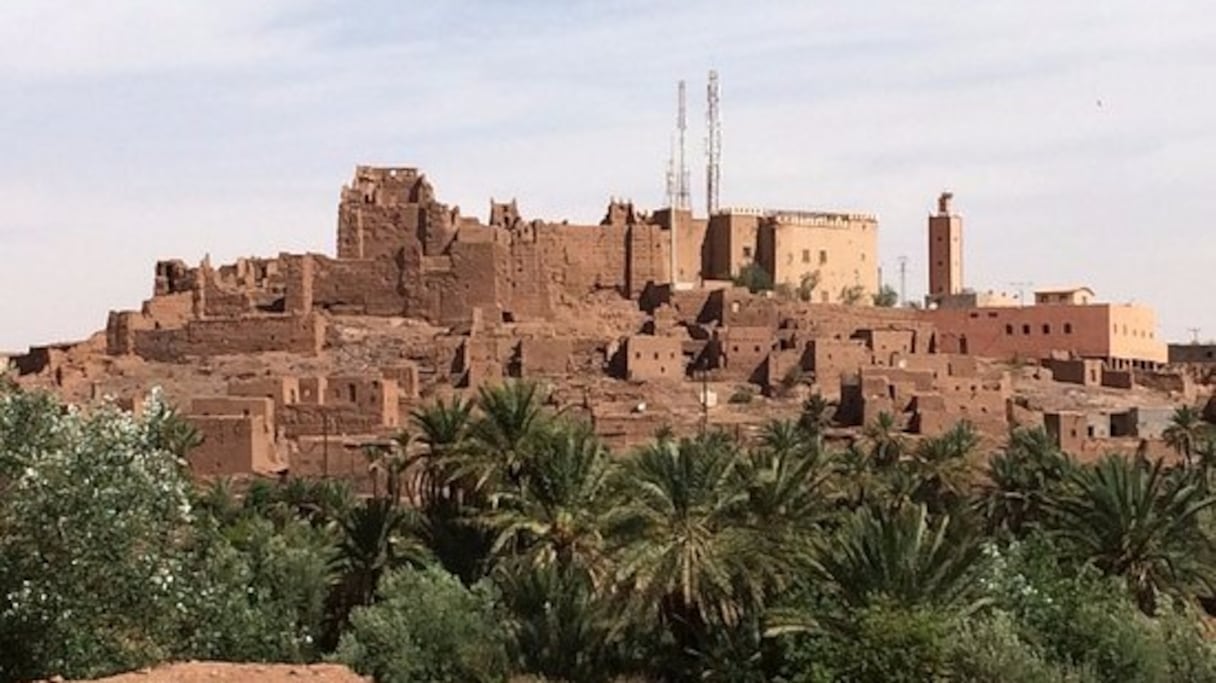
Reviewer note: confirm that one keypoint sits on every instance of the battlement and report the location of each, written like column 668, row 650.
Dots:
column 818, row 219
column 381, row 174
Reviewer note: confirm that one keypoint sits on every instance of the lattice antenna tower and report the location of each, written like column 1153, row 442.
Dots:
column 671, row 173
column 713, row 145
column 682, row 194
column 903, row 280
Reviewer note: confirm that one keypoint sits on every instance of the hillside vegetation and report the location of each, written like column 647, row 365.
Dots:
column 505, row 540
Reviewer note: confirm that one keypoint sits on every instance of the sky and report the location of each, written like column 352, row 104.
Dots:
column 1077, row 137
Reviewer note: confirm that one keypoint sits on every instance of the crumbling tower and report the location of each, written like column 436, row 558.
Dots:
column 945, row 249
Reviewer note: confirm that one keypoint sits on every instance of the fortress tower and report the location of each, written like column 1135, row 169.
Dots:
column 945, row 250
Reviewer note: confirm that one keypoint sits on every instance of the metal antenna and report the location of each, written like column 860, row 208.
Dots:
column 713, row 145
column 903, row 280
column 682, row 197
column 671, row 173
column 1194, row 334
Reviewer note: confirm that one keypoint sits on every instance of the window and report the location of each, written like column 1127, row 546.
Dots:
column 351, row 388
column 991, row 314
column 1067, row 328
column 656, row 355
column 1025, row 329
column 1009, row 329
column 1046, row 328
column 975, row 315
column 747, row 252
column 823, row 257
column 806, row 255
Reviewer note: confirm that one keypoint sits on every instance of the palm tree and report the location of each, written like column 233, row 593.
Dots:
column 886, row 444
column 816, row 415
column 1187, row 429
column 941, row 467
column 785, row 479
column 449, row 502
column 561, row 626
column 1029, row 469
column 684, row 542
column 174, row 433
column 512, row 417
column 903, row 556
column 1131, row 520
column 557, row 515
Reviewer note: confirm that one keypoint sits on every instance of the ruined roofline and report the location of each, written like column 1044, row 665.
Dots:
column 377, row 173
column 800, row 216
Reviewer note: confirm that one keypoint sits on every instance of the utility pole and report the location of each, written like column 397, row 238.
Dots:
column 903, row 281
column 1194, row 334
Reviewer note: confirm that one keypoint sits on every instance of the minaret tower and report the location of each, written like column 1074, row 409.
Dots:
column 945, row 250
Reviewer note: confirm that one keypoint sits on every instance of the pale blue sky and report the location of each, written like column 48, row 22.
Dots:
column 133, row 130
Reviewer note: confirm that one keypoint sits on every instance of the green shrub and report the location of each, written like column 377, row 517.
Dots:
column 427, row 627
column 742, row 395
column 755, row 278
column 91, row 539
column 876, row 644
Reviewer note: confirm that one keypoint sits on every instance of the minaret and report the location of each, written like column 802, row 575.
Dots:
column 945, row 250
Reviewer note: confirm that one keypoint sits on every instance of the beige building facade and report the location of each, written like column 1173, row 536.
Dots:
column 833, row 256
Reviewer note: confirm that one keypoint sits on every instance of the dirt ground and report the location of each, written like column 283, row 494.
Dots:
column 216, row 672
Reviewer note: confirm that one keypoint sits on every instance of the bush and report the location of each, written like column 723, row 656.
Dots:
column 989, row 649
column 427, row 627
column 742, row 395
column 886, row 297
column 879, row 644
column 92, row 526
column 264, row 592
column 755, row 278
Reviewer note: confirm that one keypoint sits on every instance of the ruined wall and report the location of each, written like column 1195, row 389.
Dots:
column 1076, row 371
column 745, row 350
column 545, row 357
column 653, row 358
column 201, row 338
column 232, row 444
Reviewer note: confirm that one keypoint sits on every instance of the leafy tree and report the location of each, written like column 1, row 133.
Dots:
column 886, row 297
column 754, row 277
column 262, row 590
column 1132, row 520
column 427, row 627
column 807, row 285
column 91, row 539
column 880, row 643
column 852, row 296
